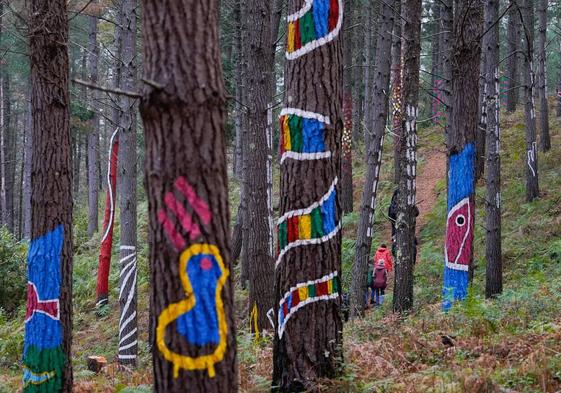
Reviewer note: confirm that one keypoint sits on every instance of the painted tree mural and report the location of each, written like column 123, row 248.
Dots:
column 46, row 357
column 466, row 53
column 183, row 114
column 308, row 265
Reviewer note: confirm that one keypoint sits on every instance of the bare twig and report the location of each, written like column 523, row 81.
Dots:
column 126, row 93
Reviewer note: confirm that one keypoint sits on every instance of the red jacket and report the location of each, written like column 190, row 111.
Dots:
column 383, row 254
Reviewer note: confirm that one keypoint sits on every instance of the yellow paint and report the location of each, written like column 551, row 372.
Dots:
column 330, row 287
column 42, row 377
column 291, row 34
column 303, row 293
column 286, row 131
column 253, row 316
column 174, row 310
column 305, row 227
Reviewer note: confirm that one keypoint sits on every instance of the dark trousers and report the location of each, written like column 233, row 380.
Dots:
column 378, row 295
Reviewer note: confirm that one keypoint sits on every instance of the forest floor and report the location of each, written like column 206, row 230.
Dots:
column 509, row 344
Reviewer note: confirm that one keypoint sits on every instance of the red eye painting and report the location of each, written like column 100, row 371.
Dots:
column 459, row 235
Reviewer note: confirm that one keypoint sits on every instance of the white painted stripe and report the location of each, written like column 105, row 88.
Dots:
column 129, row 345
column 123, row 339
column 129, row 319
column 127, row 356
column 129, row 298
column 304, row 156
column 301, row 12
column 305, row 114
column 308, row 210
column 302, row 304
column 299, row 243
column 109, row 189
column 128, row 248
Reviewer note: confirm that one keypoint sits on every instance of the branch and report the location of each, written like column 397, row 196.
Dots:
column 121, row 92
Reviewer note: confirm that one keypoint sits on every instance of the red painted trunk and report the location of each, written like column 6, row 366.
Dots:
column 107, row 239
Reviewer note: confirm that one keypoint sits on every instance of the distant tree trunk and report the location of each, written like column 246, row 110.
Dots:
column 558, row 112
column 128, row 331
column 257, row 38
column 493, row 248
column 461, row 151
column 347, row 138
column 531, row 159
column 446, row 36
column 511, row 71
column 379, row 102
column 104, row 265
column 480, row 135
column 93, row 134
column 407, row 210
column 397, row 94
column 545, row 140
column 47, row 357
column 360, row 55
column 239, row 111
column 9, row 155
column 369, row 54
column 309, row 261
column 436, row 67
column 184, row 113
column 28, row 159
column 77, row 162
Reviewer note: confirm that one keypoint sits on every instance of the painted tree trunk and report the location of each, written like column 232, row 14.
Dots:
column 493, row 247
column 374, row 158
column 545, row 140
column 458, row 249
column 308, row 266
column 93, row 134
column 184, row 113
column 511, row 71
column 128, row 331
column 104, row 266
column 480, row 134
column 406, row 200
column 47, row 357
column 397, row 96
column 347, row 138
column 257, row 38
column 531, row 158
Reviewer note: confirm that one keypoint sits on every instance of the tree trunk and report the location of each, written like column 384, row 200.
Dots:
column 258, row 42
column 545, row 140
column 436, row 67
column 531, row 159
column 347, row 138
column 28, row 159
column 369, row 53
column 493, row 253
column 128, row 331
column 446, row 35
column 397, row 95
column 360, row 55
column 309, row 261
column 480, row 135
column 511, row 71
column 406, row 201
column 93, row 134
column 9, row 155
column 183, row 110
column 47, row 357
column 558, row 112
column 104, row 265
column 379, row 109
column 461, row 151
column 239, row 111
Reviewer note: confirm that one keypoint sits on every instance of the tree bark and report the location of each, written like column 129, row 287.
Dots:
column 258, row 41
column 446, row 36
column 93, row 134
column 183, row 109
column 406, row 201
column 128, row 331
column 48, row 357
column 347, row 138
column 480, row 135
column 369, row 53
column 531, row 158
column 397, row 95
column 461, row 151
column 493, row 248
column 28, row 159
column 545, row 140
column 511, row 71
column 379, row 109
column 309, row 261
column 9, row 146
column 436, row 68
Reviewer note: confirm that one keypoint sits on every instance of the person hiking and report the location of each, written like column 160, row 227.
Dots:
column 369, row 299
column 379, row 282
column 384, row 255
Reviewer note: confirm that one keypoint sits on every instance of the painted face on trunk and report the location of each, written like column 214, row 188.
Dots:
column 459, row 235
